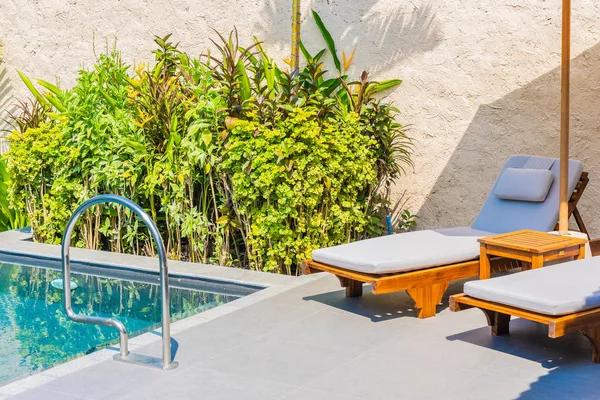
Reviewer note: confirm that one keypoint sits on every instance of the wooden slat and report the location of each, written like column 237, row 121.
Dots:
column 595, row 247
column 526, row 256
column 530, row 241
column 574, row 200
column 580, row 223
column 488, row 305
column 557, row 325
column 573, row 322
column 402, row 281
column 311, row 266
column 425, row 277
column 528, row 238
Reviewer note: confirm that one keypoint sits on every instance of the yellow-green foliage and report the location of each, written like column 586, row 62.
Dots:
column 298, row 184
column 239, row 162
column 10, row 218
column 33, row 162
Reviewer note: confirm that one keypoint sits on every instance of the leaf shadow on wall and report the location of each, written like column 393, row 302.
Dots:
column 384, row 32
column 525, row 121
column 5, row 102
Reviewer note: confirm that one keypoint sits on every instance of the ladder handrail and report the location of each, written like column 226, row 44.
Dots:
column 164, row 276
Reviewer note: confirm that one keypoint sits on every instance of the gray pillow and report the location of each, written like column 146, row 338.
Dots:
column 523, row 184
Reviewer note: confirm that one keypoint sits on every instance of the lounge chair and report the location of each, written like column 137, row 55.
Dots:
column 565, row 297
column 424, row 262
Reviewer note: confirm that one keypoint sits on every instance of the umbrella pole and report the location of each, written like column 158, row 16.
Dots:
column 563, row 220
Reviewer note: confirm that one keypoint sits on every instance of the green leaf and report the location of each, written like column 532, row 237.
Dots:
column 136, row 145
column 54, row 89
column 305, row 52
column 328, row 40
column 244, row 81
column 269, row 74
column 384, row 85
column 331, row 85
column 32, row 89
column 108, row 99
column 207, row 138
column 56, row 103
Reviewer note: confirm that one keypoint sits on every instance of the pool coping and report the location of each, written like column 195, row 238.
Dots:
column 18, row 242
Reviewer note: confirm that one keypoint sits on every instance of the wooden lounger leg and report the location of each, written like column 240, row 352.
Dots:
column 579, row 220
column 593, row 334
column 353, row 288
column 427, row 298
column 498, row 321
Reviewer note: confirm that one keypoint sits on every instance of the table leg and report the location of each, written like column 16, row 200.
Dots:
column 537, row 261
column 581, row 252
column 484, row 263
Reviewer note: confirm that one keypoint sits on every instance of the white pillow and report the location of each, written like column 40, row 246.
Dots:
column 523, row 184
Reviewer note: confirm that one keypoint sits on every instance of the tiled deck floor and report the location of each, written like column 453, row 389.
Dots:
column 313, row 343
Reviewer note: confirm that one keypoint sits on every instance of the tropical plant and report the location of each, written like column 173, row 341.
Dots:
column 27, row 114
column 239, row 162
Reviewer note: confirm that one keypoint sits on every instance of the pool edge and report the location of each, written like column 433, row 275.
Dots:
column 15, row 242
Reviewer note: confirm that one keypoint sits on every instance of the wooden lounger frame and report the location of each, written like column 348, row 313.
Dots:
column 427, row 286
column 498, row 318
column 577, row 193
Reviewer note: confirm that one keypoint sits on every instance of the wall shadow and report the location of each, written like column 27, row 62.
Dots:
column 6, row 88
column 384, row 32
column 525, row 121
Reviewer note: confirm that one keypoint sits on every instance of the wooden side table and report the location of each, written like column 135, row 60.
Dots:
column 529, row 246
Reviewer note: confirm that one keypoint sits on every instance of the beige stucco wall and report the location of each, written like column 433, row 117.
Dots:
column 481, row 78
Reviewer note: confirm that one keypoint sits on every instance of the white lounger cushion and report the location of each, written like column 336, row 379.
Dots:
column 556, row 290
column 404, row 251
column 431, row 248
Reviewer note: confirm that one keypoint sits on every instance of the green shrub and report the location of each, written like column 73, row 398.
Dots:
column 238, row 161
column 296, row 184
column 10, row 218
column 82, row 152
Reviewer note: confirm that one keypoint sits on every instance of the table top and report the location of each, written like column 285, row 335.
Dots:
column 532, row 241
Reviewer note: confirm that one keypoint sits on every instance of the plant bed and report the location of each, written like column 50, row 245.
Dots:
column 239, row 162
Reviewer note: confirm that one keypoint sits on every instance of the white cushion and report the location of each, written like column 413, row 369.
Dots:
column 404, row 251
column 556, row 290
column 522, row 184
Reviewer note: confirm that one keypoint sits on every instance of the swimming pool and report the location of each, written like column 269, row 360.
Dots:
column 35, row 333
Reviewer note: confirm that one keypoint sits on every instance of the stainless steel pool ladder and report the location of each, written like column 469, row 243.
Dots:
column 124, row 355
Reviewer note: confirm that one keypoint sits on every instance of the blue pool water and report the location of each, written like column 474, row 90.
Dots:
column 35, row 333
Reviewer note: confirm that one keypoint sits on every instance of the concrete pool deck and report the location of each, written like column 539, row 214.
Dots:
column 302, row 339
column 310, row 342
